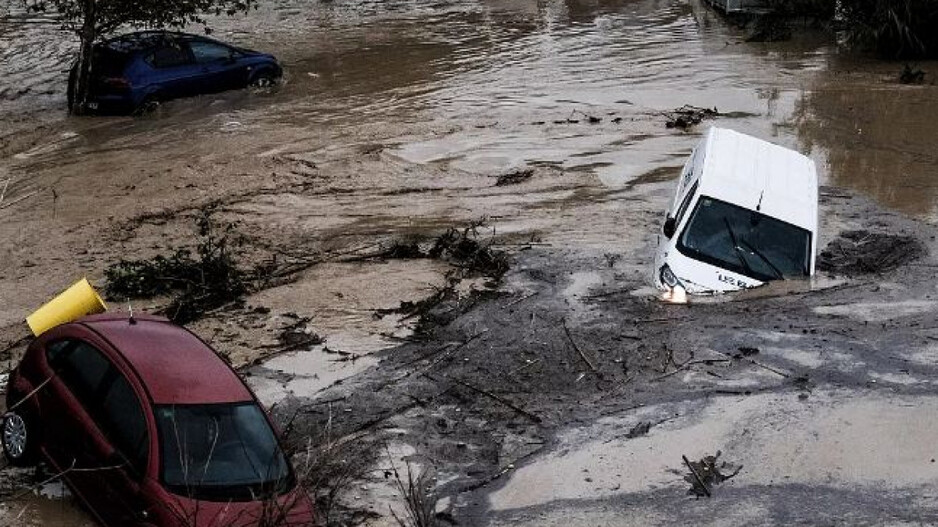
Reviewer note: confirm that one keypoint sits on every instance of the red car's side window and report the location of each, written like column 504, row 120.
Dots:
column 55, row 350
column 83, row 369
column 107, row 396
column 123, row 423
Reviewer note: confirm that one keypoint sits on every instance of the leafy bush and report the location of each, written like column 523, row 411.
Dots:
column 198, row 283
column 894, row 28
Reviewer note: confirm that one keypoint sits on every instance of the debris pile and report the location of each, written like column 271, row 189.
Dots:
column 461, row 247
column 911, row 75
column 707, row 472
column 861, row 252
column 514, row 177
column 688, row 116
column 197, row 283
column 471, row 258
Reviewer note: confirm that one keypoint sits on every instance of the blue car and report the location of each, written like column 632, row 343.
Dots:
column 137, row 71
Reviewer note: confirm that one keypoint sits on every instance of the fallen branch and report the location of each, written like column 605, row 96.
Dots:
column 4, row 191
column 519, row 300
column 498, row 399
column 589, row 363
column 700, row 480
column 19, row 199
column 686, row 365
column 755, row 363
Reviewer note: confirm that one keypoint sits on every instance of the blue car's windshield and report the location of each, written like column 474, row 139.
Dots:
column 745, row 241
column 222, row 452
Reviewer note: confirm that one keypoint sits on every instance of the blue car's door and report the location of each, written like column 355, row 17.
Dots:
column 173, row 71
column 219, row 66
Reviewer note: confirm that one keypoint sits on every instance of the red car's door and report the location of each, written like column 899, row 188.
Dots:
column 78, row 373
column 103, row 438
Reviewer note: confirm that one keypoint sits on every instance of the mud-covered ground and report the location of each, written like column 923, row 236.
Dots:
column 564, row 393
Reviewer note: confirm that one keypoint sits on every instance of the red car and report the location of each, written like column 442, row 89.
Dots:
column 150, row 428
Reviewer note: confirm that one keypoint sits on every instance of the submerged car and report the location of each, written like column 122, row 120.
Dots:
column 149, row 427
column 139, row 70
column 745, row 212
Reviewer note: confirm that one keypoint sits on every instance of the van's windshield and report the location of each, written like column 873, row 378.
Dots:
column 745, row 241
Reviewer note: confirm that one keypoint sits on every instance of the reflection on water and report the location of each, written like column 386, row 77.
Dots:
column 875, row 135
column 493, row 77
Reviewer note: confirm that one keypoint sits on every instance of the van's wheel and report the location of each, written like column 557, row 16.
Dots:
column 18, row 436
column 263, row 79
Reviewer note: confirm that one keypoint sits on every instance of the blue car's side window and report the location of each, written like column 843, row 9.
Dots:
column 168, row 57
column 209, row 52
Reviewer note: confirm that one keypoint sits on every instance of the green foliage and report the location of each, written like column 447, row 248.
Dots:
column 208, row 280
column 813, row 9
column 894, row 28
column 110, row 15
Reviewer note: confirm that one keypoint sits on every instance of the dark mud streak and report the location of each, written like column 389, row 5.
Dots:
column 420, row 386
column 786, row 504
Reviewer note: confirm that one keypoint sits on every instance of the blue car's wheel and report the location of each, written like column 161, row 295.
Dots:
column 263, row 79
column 149, row 104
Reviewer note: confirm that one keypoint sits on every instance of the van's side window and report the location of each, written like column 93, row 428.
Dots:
column 685, row 204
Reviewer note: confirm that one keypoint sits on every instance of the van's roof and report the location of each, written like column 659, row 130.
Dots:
column 745, row 171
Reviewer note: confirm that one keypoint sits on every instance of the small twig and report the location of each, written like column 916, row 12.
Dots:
column 685, row 365
column 28, row 395
column 700, row 480
column 496, row 398
column 769, row 368
column 434, row 362
column 529, row 364
column 519, row 300
column 589, row 363
column 756, row 363
column 4, row 191
column 19, row 199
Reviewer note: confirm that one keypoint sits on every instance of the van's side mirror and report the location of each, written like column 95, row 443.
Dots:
column 670, row 225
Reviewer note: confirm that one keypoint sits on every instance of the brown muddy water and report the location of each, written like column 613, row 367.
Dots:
column 395, row 118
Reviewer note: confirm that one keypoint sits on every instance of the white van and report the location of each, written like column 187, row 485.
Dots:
column 745, row 213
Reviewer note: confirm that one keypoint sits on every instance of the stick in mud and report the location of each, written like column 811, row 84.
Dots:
column 496, row 398
column 4, row 191
column 577, row 348
column 700, row 480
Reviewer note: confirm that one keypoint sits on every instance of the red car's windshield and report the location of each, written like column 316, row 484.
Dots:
column 220, row 452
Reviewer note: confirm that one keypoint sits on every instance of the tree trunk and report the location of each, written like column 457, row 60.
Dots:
column 88, row 35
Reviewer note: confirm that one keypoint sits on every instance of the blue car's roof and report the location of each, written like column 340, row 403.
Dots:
column 145, row 40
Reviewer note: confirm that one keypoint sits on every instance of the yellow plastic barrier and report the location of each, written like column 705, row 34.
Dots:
column 77, row 301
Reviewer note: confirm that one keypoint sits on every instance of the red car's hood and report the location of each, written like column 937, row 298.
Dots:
column 293, row 509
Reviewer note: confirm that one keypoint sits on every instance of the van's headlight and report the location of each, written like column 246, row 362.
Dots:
column 668, row 278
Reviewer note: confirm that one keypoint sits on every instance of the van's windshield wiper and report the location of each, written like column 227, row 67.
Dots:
column 757, row 252
column 736, row 248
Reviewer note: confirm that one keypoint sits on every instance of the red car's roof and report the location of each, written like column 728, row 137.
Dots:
column 174, row 365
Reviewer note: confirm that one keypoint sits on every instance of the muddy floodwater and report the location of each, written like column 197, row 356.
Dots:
column 394, row 121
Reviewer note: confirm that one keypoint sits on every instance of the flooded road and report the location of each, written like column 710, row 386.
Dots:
column 478, row 86
column 395, row 119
